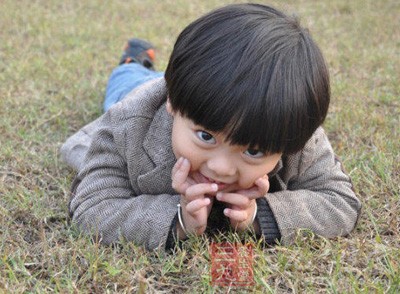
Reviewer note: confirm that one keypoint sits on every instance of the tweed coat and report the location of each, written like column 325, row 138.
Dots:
column 123, row 185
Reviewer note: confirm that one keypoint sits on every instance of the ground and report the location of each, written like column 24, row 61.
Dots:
column 55, row 57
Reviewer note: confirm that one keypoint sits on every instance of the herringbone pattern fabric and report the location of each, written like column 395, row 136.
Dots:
column 123, row 188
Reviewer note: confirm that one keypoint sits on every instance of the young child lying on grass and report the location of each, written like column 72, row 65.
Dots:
column 229, row 137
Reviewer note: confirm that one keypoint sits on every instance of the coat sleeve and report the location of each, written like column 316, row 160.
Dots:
column 318, row 195
column 104, row 203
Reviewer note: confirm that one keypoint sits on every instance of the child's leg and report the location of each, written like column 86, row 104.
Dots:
column 124, row 79
column 136, row 68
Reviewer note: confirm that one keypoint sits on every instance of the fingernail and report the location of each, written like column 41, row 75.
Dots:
column 219, row 196
column 226, row 211
column 214, row 187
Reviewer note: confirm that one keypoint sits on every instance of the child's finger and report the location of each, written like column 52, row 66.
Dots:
column 199, row 190
column 252, row 193
column 234, row 199
column 179, row 175
column 181, row 170
column 177, row 165
column 260, row 188
column 263, row 184
column 236, row 215
column 193, row 206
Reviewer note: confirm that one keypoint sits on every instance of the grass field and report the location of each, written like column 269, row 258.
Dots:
column 55, row 57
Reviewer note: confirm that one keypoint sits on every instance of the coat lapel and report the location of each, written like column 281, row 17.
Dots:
column 157, row 145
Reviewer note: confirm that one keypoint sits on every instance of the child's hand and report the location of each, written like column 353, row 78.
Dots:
column 242, row 203
column 196, row 206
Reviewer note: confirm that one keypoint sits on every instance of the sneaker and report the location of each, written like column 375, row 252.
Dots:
column 139, row 51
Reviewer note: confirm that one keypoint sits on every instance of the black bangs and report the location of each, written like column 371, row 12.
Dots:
column 253, row 74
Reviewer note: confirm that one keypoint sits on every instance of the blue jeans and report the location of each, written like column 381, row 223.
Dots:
column 124, row 79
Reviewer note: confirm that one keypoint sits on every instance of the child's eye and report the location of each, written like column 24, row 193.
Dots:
column 205, row 137
column 254, row 153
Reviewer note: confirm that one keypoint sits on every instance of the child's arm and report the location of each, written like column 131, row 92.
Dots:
column 316, row 193
column 106, row 200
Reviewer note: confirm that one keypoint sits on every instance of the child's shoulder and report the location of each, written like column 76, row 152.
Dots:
column 317, row 149
column 131, row 119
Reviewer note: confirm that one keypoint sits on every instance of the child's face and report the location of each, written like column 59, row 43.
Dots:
column 232, row 167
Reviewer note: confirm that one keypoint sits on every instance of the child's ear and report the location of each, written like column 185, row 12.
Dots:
column 169, row 107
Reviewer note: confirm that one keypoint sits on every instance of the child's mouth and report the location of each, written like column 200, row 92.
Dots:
column 203, row 179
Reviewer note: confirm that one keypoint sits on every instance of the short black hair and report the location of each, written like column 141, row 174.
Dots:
column 253, row 73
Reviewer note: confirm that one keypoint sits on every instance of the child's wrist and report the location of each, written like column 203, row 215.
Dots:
column 253, row 223
column 249, row 224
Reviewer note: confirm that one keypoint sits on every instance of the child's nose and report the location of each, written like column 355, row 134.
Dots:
column 222, row 166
